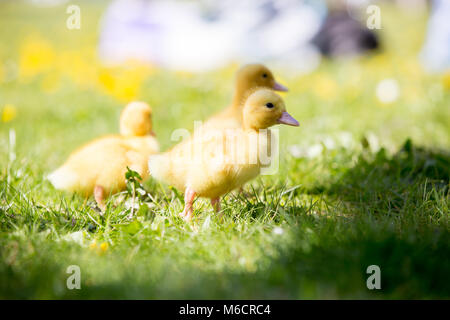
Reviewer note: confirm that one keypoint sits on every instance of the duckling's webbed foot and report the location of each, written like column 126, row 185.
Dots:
column 189, row 196
column 99, row 196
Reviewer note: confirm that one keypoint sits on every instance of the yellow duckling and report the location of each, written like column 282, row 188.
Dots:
column 214, row 162
column 99, row 167
column 248, row 78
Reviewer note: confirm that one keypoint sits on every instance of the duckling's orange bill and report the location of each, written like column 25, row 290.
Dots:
column 286, row 118
column 279, row 87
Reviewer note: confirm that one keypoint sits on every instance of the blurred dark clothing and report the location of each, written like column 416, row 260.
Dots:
column 342, row 35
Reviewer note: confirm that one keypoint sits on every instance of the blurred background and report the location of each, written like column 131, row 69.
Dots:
column 356, row 69
column 368, row 81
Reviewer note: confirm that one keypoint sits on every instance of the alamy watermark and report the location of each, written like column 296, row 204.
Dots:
column 74, row 20
column 374, row 280
column 374, row 19
column 232, row 146
column 74, row 280
column 357, row 9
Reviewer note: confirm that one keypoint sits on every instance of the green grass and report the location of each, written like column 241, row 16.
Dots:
column 379, row 196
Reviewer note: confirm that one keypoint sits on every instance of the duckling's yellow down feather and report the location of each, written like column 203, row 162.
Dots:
column 103, row 162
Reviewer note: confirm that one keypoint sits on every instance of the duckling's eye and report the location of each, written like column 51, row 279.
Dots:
column 264, row 75
column 269, row 105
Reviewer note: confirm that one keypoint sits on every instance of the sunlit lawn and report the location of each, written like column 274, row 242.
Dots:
column 360, row 182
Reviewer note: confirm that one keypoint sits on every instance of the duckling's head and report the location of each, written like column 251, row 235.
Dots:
column 251, row 76
column 264, row 108
column 136, row 119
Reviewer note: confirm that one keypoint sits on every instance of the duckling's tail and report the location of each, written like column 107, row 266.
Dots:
column 159, row 167
column 62, row 178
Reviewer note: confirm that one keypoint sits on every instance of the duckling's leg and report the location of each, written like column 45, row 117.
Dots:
column 99, row 195
column 216, row 204
column 189, row 196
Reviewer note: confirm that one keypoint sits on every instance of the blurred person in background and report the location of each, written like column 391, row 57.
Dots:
column 435, row 54
column 343, row 32
column 205, row 35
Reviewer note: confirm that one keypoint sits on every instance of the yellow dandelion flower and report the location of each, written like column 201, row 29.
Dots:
column 104, row 247
column 78, row 66
column 9, row 113
column 36, row 55
column 122, row 83
column 126, row 91
column 106, row 81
